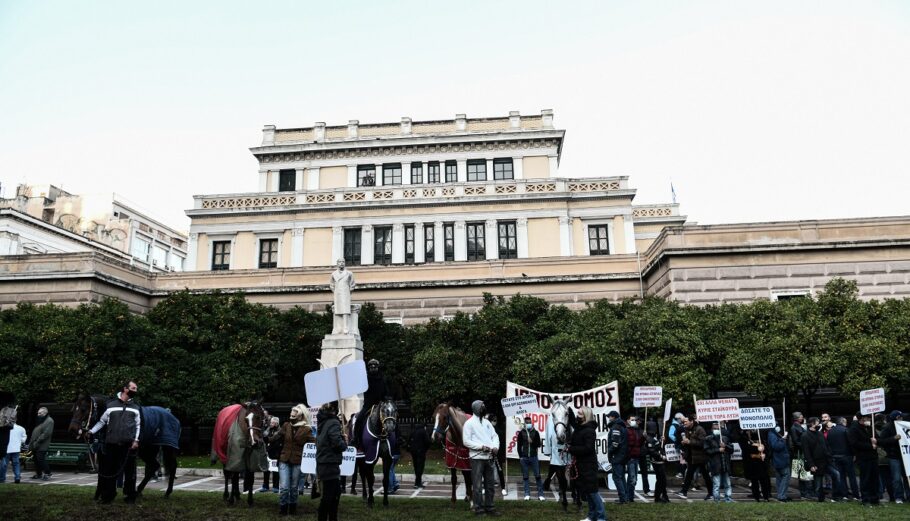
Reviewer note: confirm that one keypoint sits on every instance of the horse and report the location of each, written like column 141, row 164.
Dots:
column 377, row 439
column 159, row 430
column 448, row 423
column 237, row 442
column 559, row 431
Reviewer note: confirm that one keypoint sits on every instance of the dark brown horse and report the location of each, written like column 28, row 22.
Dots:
column 448, row 425
column 160, row 430
column 237, row 442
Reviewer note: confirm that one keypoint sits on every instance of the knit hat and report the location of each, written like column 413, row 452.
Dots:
column 895, row 414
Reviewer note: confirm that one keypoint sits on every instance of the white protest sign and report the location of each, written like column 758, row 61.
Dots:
column 667, row 408
column 601, row 400
column 308, row 461
column 671, row 452
column 314, row 411
column 737, row 453
column 273, row 465
column 872, row 401
column 721, row 409
column 335, row 383
column 903, row 429
column 647, row 396
column 757, row 418
column 519, row 405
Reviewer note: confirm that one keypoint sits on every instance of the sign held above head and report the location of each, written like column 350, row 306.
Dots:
column 335, row 383
column 647, row 396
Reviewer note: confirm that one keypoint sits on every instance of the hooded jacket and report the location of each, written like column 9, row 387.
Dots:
column 293, row 439
column 479, row 433
column 618, row 443
column 330, row 446
column 582, row 447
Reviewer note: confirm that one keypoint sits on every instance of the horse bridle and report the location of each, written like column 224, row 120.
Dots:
column 84, row 424
column 382, row 419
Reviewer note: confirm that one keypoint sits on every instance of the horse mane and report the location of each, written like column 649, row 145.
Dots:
column 457, row 419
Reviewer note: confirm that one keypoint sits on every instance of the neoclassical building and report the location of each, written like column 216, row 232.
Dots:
column 430, row 215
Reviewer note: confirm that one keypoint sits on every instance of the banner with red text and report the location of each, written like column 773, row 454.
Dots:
column 601, row 400
column 720, row 409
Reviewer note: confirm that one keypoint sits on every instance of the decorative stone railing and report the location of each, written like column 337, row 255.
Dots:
column 655, row 210
column 413, row 192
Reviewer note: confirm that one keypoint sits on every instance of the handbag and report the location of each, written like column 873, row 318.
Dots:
column 798, row 471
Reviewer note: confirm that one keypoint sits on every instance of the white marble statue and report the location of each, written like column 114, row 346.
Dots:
column 341, row 284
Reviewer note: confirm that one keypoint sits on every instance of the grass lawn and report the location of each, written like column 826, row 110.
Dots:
column 37, row 503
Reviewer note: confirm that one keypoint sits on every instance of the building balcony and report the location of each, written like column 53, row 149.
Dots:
column 445, row 193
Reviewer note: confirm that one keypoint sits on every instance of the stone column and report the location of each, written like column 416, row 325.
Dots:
column 462, row 169
column 491, row 240
column 565, row 236
column 406, row 173
column 379, row 175
column 461, row 242
column 312, row 179
column 191, row 252
column 297, row 247
column 264, row 181
column 274, row 176
column 298, row 182
column 397, row 243
column 518, row 168
column 337, row 243
column 629, row 229
column 352, row 176
column 489, row 169
column 521, row 226
column 419, row 243
column 439, row 243
column 554, row 166
column 366, row 244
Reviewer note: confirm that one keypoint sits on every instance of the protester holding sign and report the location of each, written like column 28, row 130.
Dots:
column 655, row 455
column 294, row 434
column 755, row 465
column 330, row 447
column 888, row 439
column 864, row 450
column 780, row 460
column 693, row 439
column 719, row 449
column 583, row 448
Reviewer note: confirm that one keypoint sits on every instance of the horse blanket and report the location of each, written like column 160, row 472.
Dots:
column 372, row 441
column 223, row 423
column 159, row 427
column 457, row 456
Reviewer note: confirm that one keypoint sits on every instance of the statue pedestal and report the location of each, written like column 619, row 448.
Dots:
column 338, row 350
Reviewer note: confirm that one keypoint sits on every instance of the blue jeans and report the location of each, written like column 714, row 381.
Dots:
column 619, row 480
column 631, row 480
column 288, row 480
column 897, row 479
column 722, row 480
column 782, row 481
column 393, row 481
column 836, row 490
column 847, row 471
column 11, row 457
column 596, row 510
column 533, row 464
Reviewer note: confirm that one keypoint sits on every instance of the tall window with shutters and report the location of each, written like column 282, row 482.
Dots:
column 382, row 241
column 476, row 244
column 508, row 240
column 598, row 243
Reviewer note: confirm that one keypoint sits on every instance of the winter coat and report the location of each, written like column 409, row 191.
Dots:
column 273, row 442
column 16, row 439
column 694, row 451
column 523, row 443
column 42, row 434
column 636, row 441
column 753, row 464
column 718, row 462
column 419, row 441
column 860, row 438
column 122, row 422
column 838, row 442
column 797, row 430
column 816, row 452
column 330, row 447
column 582, row 447
column 675, row 434
column 618, row 443
column 292, row 440
column 654, row 450
column 888, row 441
column 780, row 452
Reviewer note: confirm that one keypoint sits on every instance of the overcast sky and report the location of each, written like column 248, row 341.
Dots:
column 755, row 110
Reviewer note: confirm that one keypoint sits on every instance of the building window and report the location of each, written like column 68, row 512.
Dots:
column 448, row 232
column 502, row 169
column 159, row 256
column 409, row 244
column 140, row 248
column 352, row 246
column 476, row 243
column 382, row 251
column 366, row 175
column 429, row 243
column 508, row 242
column 391, row 174
column 287, row 181
column 477, row 170
column 597, row 240
column 417, row 173
column 451, row 172
column 268, row 253
column 432, row 172
column 784, row 295
column 221, row 255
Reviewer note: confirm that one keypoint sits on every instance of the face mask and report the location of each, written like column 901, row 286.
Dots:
column 777, row 430
column 528, row 426
column 717, row 432
column 131, row 393
column 633, row 423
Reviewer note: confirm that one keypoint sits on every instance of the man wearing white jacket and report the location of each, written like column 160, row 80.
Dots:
column 16, row 439
column 480, row 437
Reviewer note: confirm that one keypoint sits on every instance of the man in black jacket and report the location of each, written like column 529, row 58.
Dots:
column 797, row 430
column 330, row 448
column 122, row 422
column 528, row 445
column 888, row 440
column 818, row 460
column 418, row 444
column 618, row 454
column 842, row 456
column 864, row 448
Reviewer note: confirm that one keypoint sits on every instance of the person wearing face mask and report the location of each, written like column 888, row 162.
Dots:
column 780, row 460
column 293, row 435
column 274, row 450
column 41, row 440
column 842, row 456
column 377, row 390
column 528, row 445
column 583, row 447
column 755, row 465
column 122, row 422
column 889, row 441
column 654, row 451
column 618, row 453
column 818, row 460
column 635, row 442
column 864, row 448
column 481, row 438
column 799, row 469
column 719, row 449
column 693, row 448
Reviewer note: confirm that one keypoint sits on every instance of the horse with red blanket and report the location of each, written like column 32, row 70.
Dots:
column 238, row 444
column 448, row 424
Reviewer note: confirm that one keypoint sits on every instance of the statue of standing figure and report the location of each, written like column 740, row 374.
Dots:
column 341, row 284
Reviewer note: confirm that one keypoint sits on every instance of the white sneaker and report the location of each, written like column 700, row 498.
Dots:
column 899, row 501
column 505, row 492
column 541, row 498
column 527, row 498
column 649, row 494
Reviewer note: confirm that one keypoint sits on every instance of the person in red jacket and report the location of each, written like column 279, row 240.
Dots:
column 636, row 442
